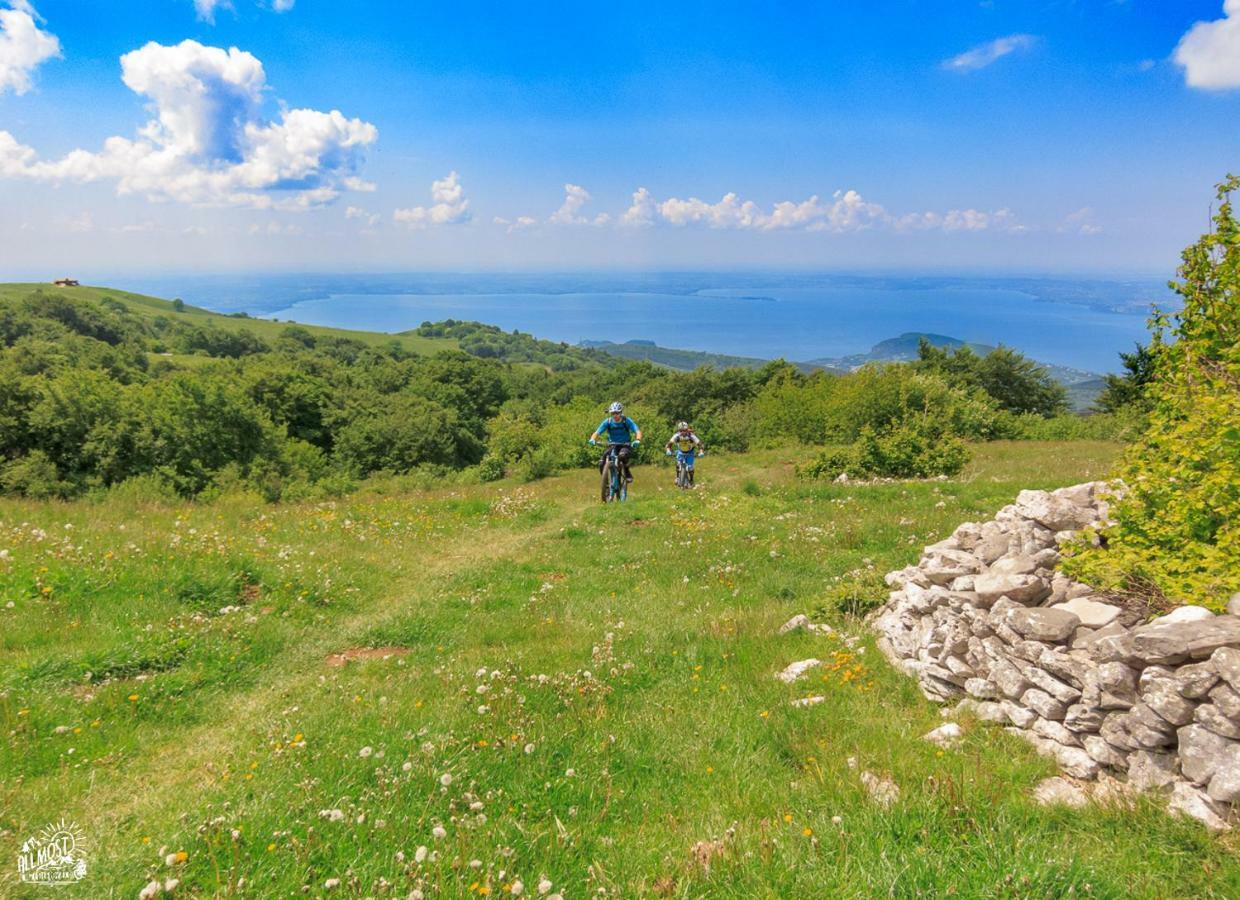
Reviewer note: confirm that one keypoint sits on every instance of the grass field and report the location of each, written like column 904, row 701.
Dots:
column 576, row 693
column 151, row 307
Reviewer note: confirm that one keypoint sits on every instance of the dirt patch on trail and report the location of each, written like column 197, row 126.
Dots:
column 355, row 653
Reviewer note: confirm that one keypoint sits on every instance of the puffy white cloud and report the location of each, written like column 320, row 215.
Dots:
column 23, row 46
column 575, row 197
column 450, row 206
column 206, row 8
column 642, row 211
column 207, row 143
column 960, row 220
column 981, row 56
column 846, row 211
column 521, row 223
column 1210, row 52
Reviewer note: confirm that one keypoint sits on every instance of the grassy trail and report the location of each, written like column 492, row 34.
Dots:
column 583, row 694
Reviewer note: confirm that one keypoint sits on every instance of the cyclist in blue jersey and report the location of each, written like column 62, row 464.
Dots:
column 622, row 431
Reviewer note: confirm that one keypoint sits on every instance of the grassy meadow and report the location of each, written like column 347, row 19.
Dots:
column 574, row 699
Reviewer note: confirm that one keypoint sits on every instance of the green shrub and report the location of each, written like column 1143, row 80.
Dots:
column 1177, row 527
column 917, row 448
column 34, row 475
column 490, row 469
column 857, row 593
column 539, row 463
column 1118, row 426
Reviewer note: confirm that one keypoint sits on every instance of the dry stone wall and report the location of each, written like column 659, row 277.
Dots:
column 984, row 618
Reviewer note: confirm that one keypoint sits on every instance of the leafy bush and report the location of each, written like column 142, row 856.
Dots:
column 858, row 593
column 1177, row 527
column 1117, row 426
column 490, row 469
column 913, row 449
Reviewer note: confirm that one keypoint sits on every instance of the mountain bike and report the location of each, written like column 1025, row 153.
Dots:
column 614, row 487
column 684, row 474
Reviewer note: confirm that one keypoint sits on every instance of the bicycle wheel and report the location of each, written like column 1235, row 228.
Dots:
column 621, row 488
column 606, row 482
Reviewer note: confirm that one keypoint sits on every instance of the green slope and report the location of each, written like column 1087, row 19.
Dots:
column 267, row 329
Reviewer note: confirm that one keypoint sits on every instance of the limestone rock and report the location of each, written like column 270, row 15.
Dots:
column 1100, row 750
column 1092, row 613
column 1225, row 785
column 1045, row 681
column 1225, row 662
column 1118, row 683
column 1233, row 605
column 1015, row 564
column 1196, row 680
column 1164, row 699
column 796, row 623
column 1188, row 801
column 1203, row 753
column 1179, row 641
column 1227, row 700
column 1020, row 588
column 1054, row 511
column 882, row 791
column 943, row 566
column 1212, row 717
column 1059, row 792
column 1044, row 704
column 981, row 689
column 945, row 735
column 1151, row 771
column 1018, row 715
column 1067, row 667
column 797, row 669
column 1080, row 717
column 1184, row 614
column 1054, row 731
column 1042, row 624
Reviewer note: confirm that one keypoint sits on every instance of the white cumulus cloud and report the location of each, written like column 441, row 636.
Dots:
column 23, row 46
column 846, row 211
column 575, row 197
column 450, row 206
column 208, row 143
column 1210, row 52
column 981, row 56
column 206, row 8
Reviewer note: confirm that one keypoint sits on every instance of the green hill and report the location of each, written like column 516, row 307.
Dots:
column 153, row 307
column 521, row 677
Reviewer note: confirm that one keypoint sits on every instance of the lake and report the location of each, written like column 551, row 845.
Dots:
column 1082, row 323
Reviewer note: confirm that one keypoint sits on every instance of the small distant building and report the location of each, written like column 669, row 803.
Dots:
column 66, row 282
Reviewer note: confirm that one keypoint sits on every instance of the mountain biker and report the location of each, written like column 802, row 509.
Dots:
column 688, row 445
column 621, row 431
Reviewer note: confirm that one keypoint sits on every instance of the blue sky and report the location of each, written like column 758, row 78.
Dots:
column 1066, row 135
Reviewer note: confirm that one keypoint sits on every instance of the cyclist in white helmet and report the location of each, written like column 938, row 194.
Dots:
column 621, row 431
column 687, row 445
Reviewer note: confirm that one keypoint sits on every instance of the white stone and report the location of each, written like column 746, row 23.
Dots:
column 1183, row 614
column 796, row 623
column 1059, row 792
column 1092, row 613
column 808, row 701
column 882, row 791
column 797, row 669
column 1186, row 800
column 945, row 735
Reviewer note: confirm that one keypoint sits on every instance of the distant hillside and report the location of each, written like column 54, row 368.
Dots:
column 904, row 348
column 686, row 360
column 1083, row 387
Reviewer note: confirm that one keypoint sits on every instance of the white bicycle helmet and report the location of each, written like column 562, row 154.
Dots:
column 682, row 426
column 616, row 408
